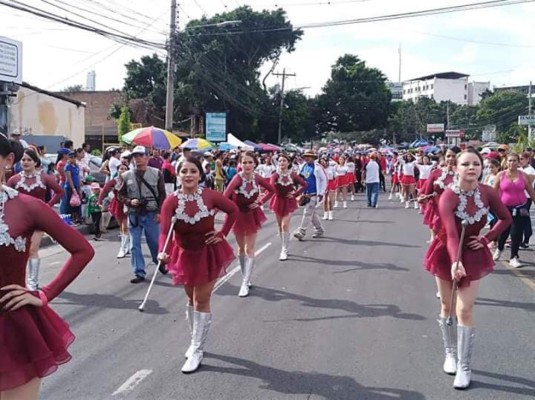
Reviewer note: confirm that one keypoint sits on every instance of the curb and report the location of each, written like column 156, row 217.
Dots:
column 83, row 229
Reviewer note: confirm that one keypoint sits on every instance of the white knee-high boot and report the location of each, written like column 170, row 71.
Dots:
column 189, row 318
column 201, row 326
column 465, row 346
column 448, row 337
column 246, row 281
column 32, row 281
column 285, row 239
column 122, row 249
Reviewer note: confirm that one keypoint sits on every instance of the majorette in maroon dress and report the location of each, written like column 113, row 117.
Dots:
column 33, row 340
column 192, row 261
column 285, row 185
column 116, row 208
column 244, row 193
column 36, row 185
column 454, row 206
column 437, row 182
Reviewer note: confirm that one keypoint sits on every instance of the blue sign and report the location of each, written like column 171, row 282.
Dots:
column 216, row 127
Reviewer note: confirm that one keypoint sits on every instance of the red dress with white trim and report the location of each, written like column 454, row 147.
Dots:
column 34, row 340
column 36, row 185
column 245, row 193
column 116, row 208
column 284, row 202
column 435, row 185
column 473, row 206
column 193, row 262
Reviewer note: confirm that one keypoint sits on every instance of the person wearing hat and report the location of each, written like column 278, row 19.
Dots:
column 316, row 181
column 16, row 135
column 143, row 193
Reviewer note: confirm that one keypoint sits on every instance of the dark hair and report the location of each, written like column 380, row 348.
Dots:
column 8, row 146
column 33, row 155
column 249, row 154
column 495, row 162
column 197, row 162
column 68, row 144
column 455, row 149
column 166, row 155
column 525, row 155
column 287, row 157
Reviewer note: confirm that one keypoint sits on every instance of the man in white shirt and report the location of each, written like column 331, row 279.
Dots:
column 372, row 179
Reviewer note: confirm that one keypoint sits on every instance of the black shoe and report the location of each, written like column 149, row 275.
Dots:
column 163, row 270
column 137, row 279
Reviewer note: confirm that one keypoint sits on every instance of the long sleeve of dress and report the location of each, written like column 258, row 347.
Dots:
column 269, row 190
column 233, row 185
column 498, row 209
column 166, row 215
column 446, row 209
column 108, row 187
column 45, row 219
column 300, row 182
column 428, row 185
column 51, row 184
column 228, row 207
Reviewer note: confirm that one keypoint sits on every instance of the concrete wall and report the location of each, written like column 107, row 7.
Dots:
column 455, row 90
column 475, row 89
column 37, row 113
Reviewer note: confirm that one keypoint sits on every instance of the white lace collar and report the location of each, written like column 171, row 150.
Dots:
column 5, row 239
column 201, row 213
column 281, row 179
column 21, row 184
column 243, row 187
column 461, row 213
column 440, row 180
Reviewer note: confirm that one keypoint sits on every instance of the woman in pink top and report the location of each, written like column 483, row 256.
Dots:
column 512, row 185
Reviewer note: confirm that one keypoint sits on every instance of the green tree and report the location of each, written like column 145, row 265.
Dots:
column 73, row 89
column 355, row 98
column 146, row 80
column 502, row 109
column 123, row 124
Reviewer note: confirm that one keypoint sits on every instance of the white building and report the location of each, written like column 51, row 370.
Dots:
column 446, row 86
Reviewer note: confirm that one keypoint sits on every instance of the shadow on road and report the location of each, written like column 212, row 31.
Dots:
column 351, row 263
column 528, row 391
column 305, row 383
column 327, row 239
column 506, row 304
column 356, row 310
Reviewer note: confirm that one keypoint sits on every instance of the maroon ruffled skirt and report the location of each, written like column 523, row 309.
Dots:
column 194, row 267
column 431, row 217
column 249, row 222
column 477, row 263
column 283, row 206
column 117, row 209
column 33, row 343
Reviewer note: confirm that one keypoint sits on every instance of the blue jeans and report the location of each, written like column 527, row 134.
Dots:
column 136, row 225
column 372, row 192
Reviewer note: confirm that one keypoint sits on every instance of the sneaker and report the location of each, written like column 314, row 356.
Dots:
column 524, row 246
column 390, row 197
column 137, row 279
column 318, row 234
column 497, row 254
column 515, row 263
column 299, row 236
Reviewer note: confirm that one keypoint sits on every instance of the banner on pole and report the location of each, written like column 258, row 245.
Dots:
column 216, row 127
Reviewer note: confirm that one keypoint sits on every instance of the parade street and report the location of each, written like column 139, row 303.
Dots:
column 351, row 315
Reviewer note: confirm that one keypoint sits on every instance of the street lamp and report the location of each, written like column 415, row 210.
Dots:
column 171, row 62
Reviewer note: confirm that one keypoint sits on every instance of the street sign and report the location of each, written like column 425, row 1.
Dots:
column 454, row 133
column 10, row 60
column 435, row 128
column 488, row 134
column 526, row 120
column 216, row 127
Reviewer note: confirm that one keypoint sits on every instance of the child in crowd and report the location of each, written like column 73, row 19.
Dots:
column 94, row 210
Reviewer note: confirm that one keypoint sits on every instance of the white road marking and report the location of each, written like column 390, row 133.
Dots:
column 231, row 273
column 132, row 382
column 55, row 263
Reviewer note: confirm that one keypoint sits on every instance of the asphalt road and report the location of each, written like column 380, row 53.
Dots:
column 348, row 316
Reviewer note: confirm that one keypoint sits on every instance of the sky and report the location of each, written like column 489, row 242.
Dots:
column 495, row 45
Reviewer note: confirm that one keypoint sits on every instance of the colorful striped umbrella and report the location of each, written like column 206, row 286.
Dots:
column 152, row 137
column 197, row 144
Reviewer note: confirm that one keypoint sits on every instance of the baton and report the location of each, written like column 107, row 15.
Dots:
column 449, row 320
column 142, row 305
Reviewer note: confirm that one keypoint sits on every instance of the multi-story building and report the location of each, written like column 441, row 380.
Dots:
column 524, row 89
column 445, row 86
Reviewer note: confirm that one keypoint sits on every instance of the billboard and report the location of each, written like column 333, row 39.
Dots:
column 216, row 127
column 10, row 60
column 526, row 120
column 435, row 128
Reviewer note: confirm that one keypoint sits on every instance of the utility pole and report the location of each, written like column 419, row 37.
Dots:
column 171, row 69
column 399, row 72
column 284, row 76
column 530, row 132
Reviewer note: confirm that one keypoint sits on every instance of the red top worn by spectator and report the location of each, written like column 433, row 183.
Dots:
column 34, row 340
